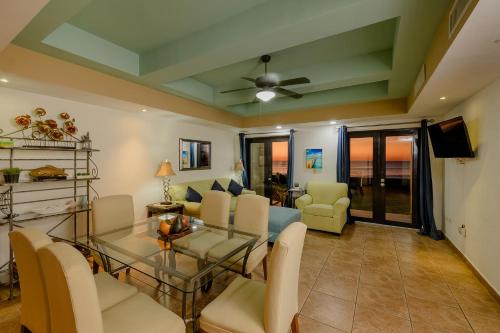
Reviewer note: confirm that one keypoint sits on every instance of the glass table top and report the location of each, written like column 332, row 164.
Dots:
column 185, row 261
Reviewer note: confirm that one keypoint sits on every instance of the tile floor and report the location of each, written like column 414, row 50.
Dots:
column 371, row 279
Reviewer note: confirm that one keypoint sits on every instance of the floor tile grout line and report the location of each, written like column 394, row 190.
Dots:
column 404, row 291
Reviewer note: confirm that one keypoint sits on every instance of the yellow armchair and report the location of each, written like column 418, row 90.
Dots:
column 324, row 207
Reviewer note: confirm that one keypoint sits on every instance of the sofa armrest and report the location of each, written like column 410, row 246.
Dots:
column 341, row 205
column 303, row 201
column 247, row 191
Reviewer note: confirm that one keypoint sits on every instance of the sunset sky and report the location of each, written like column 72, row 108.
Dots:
column 397, row 149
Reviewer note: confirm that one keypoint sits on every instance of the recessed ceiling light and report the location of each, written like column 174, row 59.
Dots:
column 333, row 122
column 265, row 95
column 144, row 110
column 279, row 127
column 442, row 98
column 4, row 80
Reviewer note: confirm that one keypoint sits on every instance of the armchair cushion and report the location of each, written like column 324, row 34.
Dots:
column 319, row 210
column 303, row 201
column 326, row 192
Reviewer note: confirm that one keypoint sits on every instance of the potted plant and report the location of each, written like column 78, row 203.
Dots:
column 11, row 175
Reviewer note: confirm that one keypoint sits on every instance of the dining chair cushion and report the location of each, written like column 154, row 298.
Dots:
column 140, row 313
column 110, row 291
column 34, row 306
column 238, row 309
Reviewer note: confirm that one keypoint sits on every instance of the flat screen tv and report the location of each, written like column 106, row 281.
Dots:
column 450, row 138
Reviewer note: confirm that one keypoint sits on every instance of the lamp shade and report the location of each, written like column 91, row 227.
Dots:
column 238, row 166
column 165, row 170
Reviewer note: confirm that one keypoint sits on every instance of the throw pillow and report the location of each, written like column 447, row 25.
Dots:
column 192, row 195
column 235, row 188
column 217, row 187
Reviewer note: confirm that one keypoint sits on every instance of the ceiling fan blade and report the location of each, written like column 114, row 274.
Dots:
column 249, row 79
column 234, row 90
column 287, row 92
column 297, row 80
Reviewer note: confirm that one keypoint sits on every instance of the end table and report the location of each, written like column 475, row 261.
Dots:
column 161, row 208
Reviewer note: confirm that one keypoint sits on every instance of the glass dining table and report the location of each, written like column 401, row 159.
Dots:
column 186, row 262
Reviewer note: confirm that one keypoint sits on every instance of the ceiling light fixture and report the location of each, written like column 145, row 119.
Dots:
column 333, row 122
column 4, row 80
column 442, row 98
column 144, row 110
column 279, row 127
column 265, row 95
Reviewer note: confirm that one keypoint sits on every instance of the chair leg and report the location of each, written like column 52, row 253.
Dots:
column 116, row 275
column 127, row 271
column 95, row 267
column 264, row 267
column 295, row 324
column 24, row 329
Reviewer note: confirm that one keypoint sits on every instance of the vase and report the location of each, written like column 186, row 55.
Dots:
column 178, row 225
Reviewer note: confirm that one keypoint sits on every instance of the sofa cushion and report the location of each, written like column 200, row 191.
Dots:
column 192, row 195
column 217, row 186
column 319, row 210
column 235, row 188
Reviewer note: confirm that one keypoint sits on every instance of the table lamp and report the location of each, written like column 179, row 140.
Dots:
column 239, row 168
column 166, row 172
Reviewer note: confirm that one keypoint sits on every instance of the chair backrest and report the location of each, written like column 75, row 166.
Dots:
column 251, row 213
column 112, row 212
column 215, row 207
column 34, row 306
column 282, row 292
column 326, row 192
column 71, row 290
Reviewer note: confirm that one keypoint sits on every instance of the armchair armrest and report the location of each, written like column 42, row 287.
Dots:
column 341, row 205
column 303, row 201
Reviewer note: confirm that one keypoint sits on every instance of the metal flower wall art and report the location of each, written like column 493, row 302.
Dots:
column 38, row 130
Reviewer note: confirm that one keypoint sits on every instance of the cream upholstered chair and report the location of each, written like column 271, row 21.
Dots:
column 109, row 213
column 34, row 304
column 325, row 205
column 249, row 306
column 74, row 304
column 251, row 215
column 215, row 212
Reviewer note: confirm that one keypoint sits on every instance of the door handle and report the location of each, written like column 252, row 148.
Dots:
column 382, row 182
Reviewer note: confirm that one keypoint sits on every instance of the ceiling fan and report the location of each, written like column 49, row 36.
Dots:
column 268, row 84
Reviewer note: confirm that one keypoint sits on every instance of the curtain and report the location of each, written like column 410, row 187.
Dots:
column 243, row 157
column 343, row 166
column 424, row 175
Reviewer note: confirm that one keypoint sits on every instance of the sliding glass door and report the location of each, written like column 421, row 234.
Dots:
column 268, row 167
column 383, row 176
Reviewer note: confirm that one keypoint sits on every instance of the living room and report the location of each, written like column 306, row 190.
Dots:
column 318, row 102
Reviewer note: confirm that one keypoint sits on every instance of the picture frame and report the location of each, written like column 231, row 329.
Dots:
column 314, row 158
column 195, row 155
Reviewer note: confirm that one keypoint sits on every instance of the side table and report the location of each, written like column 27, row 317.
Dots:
column 294, row 193
column 160, row 208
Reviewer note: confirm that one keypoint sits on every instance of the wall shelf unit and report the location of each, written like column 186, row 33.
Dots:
column 18, row 199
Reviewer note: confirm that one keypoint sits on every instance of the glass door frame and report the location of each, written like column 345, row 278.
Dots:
column 268, row 160
column 379, row 137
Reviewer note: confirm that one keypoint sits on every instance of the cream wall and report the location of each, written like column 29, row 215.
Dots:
column 471, row 189
column 315, row 137
column 132, row 145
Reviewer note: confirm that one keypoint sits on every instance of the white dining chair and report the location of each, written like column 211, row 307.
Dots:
column 252, row 216
column 249, row 306
column 111, row 213
column 74, row 303
column 215, row 207
column 34, row 304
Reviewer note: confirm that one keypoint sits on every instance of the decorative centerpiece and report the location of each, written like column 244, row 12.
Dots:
column 11, row 175
column 173, row 224
column 48, row 172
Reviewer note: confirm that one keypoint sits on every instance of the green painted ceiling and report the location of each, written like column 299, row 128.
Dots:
column 352, row 50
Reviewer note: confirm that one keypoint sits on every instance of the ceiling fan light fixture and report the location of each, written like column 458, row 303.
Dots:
column 265, row 95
